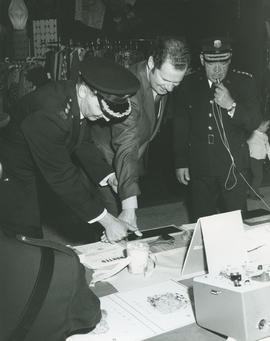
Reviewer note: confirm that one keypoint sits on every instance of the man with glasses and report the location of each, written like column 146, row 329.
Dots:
column 216, row 108
column 125, row 143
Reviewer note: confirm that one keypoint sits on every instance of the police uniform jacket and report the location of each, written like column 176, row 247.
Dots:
column 197, row 142
column 44, row 137
column 68, row 307
column 124, row 143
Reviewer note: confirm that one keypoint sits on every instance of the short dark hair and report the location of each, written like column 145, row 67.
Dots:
column 171, row 48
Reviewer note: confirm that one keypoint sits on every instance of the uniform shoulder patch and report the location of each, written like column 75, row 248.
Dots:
column 46, row 243
column 242, row 73
column 64, row 113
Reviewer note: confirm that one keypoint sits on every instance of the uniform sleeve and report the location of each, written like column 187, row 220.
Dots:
column 126, row 145
column 84, row 311
column 46, row 140
column 247, row 112
column 92, row 159
column 181, row 126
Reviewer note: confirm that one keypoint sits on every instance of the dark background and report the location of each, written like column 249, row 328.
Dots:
column 241, row 20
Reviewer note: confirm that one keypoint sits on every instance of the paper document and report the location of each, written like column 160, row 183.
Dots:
column 142, row 313
column 104, row 258
column 257, row 241
column 99, row 255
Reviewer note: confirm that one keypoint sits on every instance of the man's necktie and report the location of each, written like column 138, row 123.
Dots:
column 212, row 90
column 157, row 104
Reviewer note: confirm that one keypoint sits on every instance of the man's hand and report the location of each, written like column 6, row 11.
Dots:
column 115, row 229
column 223, row 97
column 128, row 215
column 182, row 175
column 113, row 182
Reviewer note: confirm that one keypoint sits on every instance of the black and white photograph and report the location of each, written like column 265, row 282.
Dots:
column 134, row 170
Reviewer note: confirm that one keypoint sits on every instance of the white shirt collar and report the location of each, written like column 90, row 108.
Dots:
column 147, row 73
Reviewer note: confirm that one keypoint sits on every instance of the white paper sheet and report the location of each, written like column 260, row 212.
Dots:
column 99, row 255
column 257, row 242
column 104, row 258
column 131, row 317
column 224, row 241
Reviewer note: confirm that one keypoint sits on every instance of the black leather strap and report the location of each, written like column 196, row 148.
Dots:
column 37, row 295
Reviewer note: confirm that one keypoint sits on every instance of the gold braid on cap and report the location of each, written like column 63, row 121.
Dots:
column 116, row 114
column 212, row 57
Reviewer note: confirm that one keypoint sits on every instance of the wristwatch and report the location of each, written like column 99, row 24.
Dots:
column 231, row 110
column 232, row 107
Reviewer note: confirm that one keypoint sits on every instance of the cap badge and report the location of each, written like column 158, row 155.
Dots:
column 114, row 114
column 217, row 44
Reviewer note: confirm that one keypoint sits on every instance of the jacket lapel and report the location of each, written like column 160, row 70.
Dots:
column 147, row 96
column 149, row 104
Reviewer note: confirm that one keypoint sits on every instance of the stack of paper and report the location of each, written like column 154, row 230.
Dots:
column 104, row 258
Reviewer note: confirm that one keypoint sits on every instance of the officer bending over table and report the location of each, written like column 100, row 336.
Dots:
column 49, row 137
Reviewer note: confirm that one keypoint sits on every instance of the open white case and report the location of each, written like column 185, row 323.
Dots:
column 235, row 308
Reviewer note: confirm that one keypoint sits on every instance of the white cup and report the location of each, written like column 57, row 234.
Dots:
column 138, row 252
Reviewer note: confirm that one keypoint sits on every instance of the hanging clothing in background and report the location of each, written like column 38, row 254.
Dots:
column 76, row 56
column 64, row 63
column 22, row 78
column 57, row 64
column 90, row 12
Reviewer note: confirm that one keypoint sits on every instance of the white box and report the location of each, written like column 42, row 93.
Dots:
column 242, row 313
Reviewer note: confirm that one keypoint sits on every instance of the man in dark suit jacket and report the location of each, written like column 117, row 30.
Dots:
column 48, row 137
column 215, row 109
column 124, row 143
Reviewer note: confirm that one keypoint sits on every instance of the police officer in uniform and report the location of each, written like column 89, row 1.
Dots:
column 215, row 110
column 49, row 138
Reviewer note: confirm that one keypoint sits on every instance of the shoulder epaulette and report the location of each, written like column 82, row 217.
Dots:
column 64, row 113
column 242, row 73
column 46, row 243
